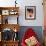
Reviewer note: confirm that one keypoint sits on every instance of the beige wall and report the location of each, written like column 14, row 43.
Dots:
column 44, row 4
column 44, row 12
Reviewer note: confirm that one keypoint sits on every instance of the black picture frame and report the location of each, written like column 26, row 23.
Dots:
column 30, row 12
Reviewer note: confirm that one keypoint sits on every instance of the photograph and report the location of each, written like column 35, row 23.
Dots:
column 30, row 12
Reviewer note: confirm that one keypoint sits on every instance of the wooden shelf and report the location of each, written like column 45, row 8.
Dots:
column 9, row 43
column 2, row 8
column 11, row 26
column 4, row 12
column 14, row 10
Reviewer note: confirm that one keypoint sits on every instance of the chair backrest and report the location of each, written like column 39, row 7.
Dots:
column 29, row 32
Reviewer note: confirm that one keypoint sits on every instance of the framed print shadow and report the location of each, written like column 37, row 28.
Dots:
column 30, row 12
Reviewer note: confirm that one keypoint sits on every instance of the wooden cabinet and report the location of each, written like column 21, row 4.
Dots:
column 9, row 25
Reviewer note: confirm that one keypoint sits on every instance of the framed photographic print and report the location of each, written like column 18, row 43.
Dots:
column 30, row 12
column 5, row 12
column 13, row 12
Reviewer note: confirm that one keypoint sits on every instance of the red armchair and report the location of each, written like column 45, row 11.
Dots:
column 28, row 34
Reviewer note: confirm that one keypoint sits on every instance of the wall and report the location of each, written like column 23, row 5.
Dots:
column 22, row 3
column 45, row 13
column 39, row 13
column 45, row 22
